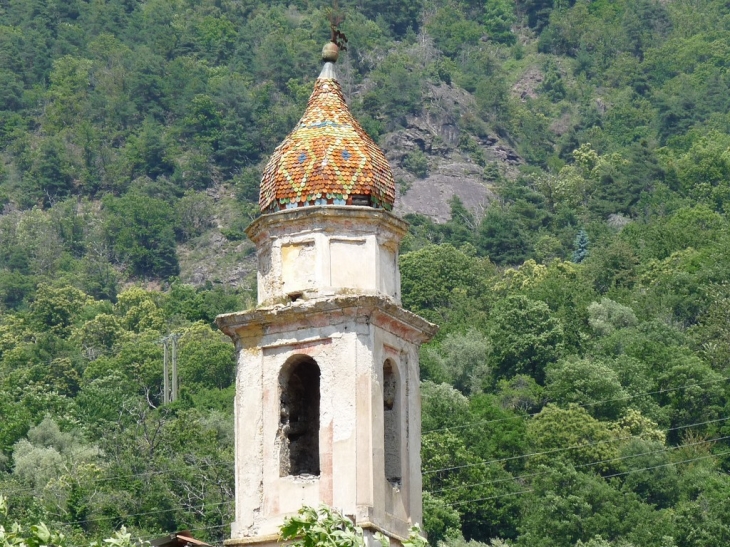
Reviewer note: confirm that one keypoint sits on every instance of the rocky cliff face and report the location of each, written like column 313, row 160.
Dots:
column 456, row 161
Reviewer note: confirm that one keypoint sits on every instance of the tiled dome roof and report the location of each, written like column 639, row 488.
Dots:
column 327, row 159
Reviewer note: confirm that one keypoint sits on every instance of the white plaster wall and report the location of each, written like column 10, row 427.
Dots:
column 400, row 507
column 350, row 356
column 249, row 441
column 353, row 263
column 327, row 265
column 341, row 354
column 389, row 277
column 298, row 266
column 315, row 255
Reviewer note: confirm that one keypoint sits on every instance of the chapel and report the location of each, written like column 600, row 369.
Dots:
column 327, row 406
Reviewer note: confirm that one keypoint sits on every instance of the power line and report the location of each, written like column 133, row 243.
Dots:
column 590, row 464
column 606, row 477
column 562, row 449
column 492, row 497
column 124, row 517
column 666, row 465
column 584, row 405
column 452, row 504
column 95, row 481
column 129, row 476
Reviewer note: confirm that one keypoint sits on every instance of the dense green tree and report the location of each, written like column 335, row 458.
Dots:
column 147, row 152
column 588, row 383
column 581, row 247
column 525, row 336
column 206, row 361
column 645, row 22
column 520, row 393
column 55, row 309
column 704, row 520
column 397, row 91
column 659, row 485
column 606, row 316
column 460, row 229
column 691, row 404
column 572, row 507
column 400, row 17
column 141, row 233
column 498, row 20
column 458, row 476
column 538, row 11
column 194, row 214
column 440, row 520
column 50, row 177
column 572, row 435
column 135, row 132
column 432, row 276
column 615, row 267
column 443, row 407
column 502, row 238
column 461, row 360
column 452, row 31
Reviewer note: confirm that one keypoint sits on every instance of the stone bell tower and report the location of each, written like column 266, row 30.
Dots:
column 327, row 406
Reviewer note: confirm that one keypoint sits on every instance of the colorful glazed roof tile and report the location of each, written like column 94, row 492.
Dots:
column 327, row 159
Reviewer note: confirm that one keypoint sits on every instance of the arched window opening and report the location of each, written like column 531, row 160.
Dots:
column 299, row 418
column 391, row 424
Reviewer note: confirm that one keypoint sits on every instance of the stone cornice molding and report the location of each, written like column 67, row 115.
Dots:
column 302, row 314
column 293, row 220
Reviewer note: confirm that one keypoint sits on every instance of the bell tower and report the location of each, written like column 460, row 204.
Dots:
column 327, row 406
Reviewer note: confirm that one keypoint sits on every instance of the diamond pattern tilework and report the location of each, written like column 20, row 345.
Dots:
column 327, row 158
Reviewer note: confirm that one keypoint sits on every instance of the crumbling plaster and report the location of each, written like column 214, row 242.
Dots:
column 329, row 289
column 349, row 338
column 327, row 250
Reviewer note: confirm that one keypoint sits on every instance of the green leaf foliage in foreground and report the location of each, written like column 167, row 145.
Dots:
column 39, row 535
column 326, row 527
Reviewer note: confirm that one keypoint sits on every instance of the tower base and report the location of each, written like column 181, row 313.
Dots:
column 369, row 530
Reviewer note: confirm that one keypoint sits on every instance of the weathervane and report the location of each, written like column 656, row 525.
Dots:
column 336, row 17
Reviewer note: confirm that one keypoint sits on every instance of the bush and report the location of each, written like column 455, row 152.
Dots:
column 609, row 315
column 416, row 163
column 140, row 230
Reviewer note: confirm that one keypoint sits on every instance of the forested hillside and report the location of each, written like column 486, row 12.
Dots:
column 577, row 393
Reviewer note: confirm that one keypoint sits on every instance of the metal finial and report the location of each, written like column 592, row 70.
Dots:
column 330, row 52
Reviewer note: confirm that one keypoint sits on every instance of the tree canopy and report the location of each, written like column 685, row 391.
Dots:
column 577, row 392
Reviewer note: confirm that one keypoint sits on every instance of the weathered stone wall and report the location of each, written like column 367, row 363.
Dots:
column 323, row 251
column 349, row 339
column 327, row 404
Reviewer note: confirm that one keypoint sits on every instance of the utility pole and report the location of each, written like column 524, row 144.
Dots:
column 170, row 390
column 175, row 382
column 165, row 375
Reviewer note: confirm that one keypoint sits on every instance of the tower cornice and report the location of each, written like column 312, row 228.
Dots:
column 256, row 324
column 290, row 219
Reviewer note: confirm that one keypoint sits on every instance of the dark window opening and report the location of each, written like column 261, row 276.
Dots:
column 299, row 418
column 391, row 424
column 360, row 199
column 293, row 297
